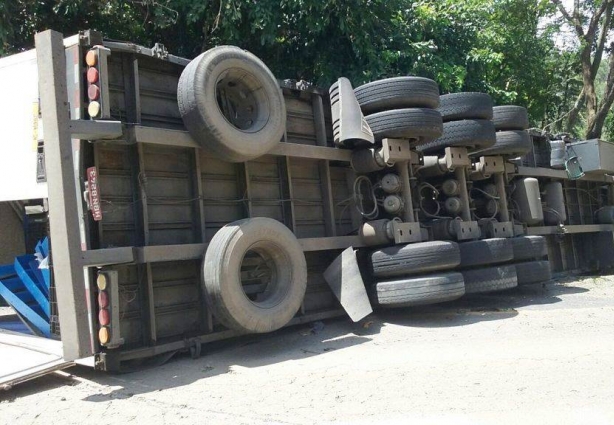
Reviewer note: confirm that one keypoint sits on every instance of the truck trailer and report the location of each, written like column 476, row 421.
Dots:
column 167, row 203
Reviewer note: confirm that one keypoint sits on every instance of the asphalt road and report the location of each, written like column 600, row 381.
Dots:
column 534, row 355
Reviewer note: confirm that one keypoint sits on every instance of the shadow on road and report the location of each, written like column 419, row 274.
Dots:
column 479, row 307
column 304, row 341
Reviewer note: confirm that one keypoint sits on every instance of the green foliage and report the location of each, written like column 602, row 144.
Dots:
column 495, row 46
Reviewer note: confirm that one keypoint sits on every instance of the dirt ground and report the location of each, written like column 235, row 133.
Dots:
column 532, row 355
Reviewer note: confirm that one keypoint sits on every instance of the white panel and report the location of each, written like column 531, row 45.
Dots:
column 18, row 95
column 24, row 357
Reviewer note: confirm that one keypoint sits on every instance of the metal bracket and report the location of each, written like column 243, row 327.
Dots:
column 95, row 129
column 495, row 229
column 396, row 150
column 491, row 164
column 406, row 232
column 456, row 157
column 103, row 69
column 112, row 281
column 41, row 171
column 465, row 230
column 416, row 158
column 519, row 230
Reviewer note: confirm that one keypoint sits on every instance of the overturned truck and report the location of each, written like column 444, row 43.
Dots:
column 191, row 201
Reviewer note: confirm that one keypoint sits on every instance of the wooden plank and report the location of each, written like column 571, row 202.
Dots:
column 151, row 304
column 287, row 192
column 197, row 186
column 161, row 253
column 243, row 183
column 132, row 88
column 324, row 167
column 140, row 178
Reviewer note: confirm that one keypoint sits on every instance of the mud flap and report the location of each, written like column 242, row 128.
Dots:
column 350, row 129
column 344, row 278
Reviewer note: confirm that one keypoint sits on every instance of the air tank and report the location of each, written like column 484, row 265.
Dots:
column 376, row 232
column 366, row 161
column 391, row 183
column 393, row 204
column 453, row 205
column 528, row 201
column 450, row 187
column 554, row 214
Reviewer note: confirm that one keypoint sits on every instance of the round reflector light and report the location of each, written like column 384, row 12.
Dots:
column 91, row 58
column 101, row 282
column 92, row 75
column 93, row 92
column 103, row 299
column 93, row 109
column 104, row 335
column 103, row 317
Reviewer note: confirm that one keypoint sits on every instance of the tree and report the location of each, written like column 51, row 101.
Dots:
column 495, row 46
column 514, row 58
column 591, row 22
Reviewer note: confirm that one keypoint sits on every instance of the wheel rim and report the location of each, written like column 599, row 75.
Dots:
column 242, row 100
column 265, row 274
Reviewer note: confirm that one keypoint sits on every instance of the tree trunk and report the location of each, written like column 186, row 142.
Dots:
column 594, row 127
column 590, row 97
column 572, row 116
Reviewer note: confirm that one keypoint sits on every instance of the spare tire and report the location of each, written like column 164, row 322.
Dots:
column 529, row 247
column 397, row 93
column 254, row 275
column 421, row 124
column 485, row 251
column 510, row 117
column 231, row 104
column 462, row 106
column 479, row 134
column 510, row 143
column 479, row 281
column 421, row 290
column 416, row 258
column 533, row 272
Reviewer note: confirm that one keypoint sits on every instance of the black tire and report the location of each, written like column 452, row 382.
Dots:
column 421, row 124
column 463, row 106
column 397, row 93
column 231, row 104
column 275, row 305
column 421, row 290
column 533, row 272
column 510, row 143
column 478, row 134
column 491, row 279
column 485, row 252
column 417, row 258
column 529, row 247
column 510, row 117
